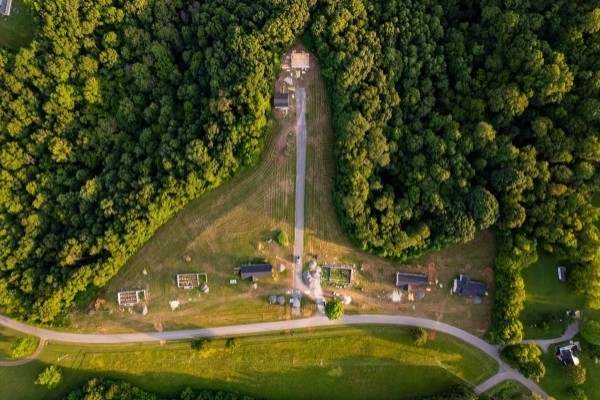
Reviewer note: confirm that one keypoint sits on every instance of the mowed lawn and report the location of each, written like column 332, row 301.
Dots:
column 556, row 382
column 334, row 363
column 509, row 390
column 546, row 295
column 18, row 29
column 229, row 226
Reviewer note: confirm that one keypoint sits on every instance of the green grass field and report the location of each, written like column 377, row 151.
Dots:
column 334, row 363
column 509, row 390
column 556, row 382
column 7, row 338
column 545, row 295
column 18, row 29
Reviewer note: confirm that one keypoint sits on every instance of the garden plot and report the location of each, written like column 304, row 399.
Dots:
column 130, row 298
column 190, row 281
column 338, row 275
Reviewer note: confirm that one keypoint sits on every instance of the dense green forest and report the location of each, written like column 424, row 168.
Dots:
column 450, row 116
column 116, row 116
column 453, row 116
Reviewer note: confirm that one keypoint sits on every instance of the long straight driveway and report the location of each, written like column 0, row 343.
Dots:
column 300, row 186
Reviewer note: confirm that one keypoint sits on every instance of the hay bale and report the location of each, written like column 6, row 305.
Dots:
column 281, row 300
column 272, row 299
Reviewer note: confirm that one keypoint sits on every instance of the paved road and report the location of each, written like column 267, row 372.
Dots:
column 300, row 190
column 545, row 343
column 505, row 372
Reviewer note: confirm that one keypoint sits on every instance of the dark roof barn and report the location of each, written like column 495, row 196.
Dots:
column 410, row 281
column 464, row 286
column 281, row 101
column 257, row 271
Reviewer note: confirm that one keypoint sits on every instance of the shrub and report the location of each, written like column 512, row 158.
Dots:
column 23, row 347
column 282, row 239
column 334, row 309
column 526, row 358
column 591, row 332
column 577, row 375
column 576, row 393
column 232, row 343
column 200, row 344
column 50, row 377
column 419, row 335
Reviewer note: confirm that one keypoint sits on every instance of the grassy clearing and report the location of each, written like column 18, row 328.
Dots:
column 556, row 382
column 546, row 295
column 225, row 228
column 509, row 390
column 17, row 30
column 375, row 277
column 230, row 226
column 344, row 363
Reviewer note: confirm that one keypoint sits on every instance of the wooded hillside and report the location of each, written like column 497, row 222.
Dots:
column 455, row 116
column 450, row 117
column 116, row 116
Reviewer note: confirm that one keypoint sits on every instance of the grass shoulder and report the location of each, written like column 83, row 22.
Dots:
column 342, row 362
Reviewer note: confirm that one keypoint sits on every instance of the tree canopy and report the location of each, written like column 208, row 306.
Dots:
column 113, row 119
column 334, row 309
column 450, row 116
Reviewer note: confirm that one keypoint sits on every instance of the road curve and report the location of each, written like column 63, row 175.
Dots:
column 32, row 357
column 505, row 371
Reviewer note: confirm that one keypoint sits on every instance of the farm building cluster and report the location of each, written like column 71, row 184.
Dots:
column 416, row 285
column 295, row 64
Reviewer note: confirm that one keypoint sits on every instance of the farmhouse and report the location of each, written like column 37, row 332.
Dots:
column 281, row 101
column 5, row 6
column 188, row 281
column 410, row 281
column 464, row 286
column 567, row 354
column 256, row 272
column 130, row 298
column 562, row 274
column 300, row 60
